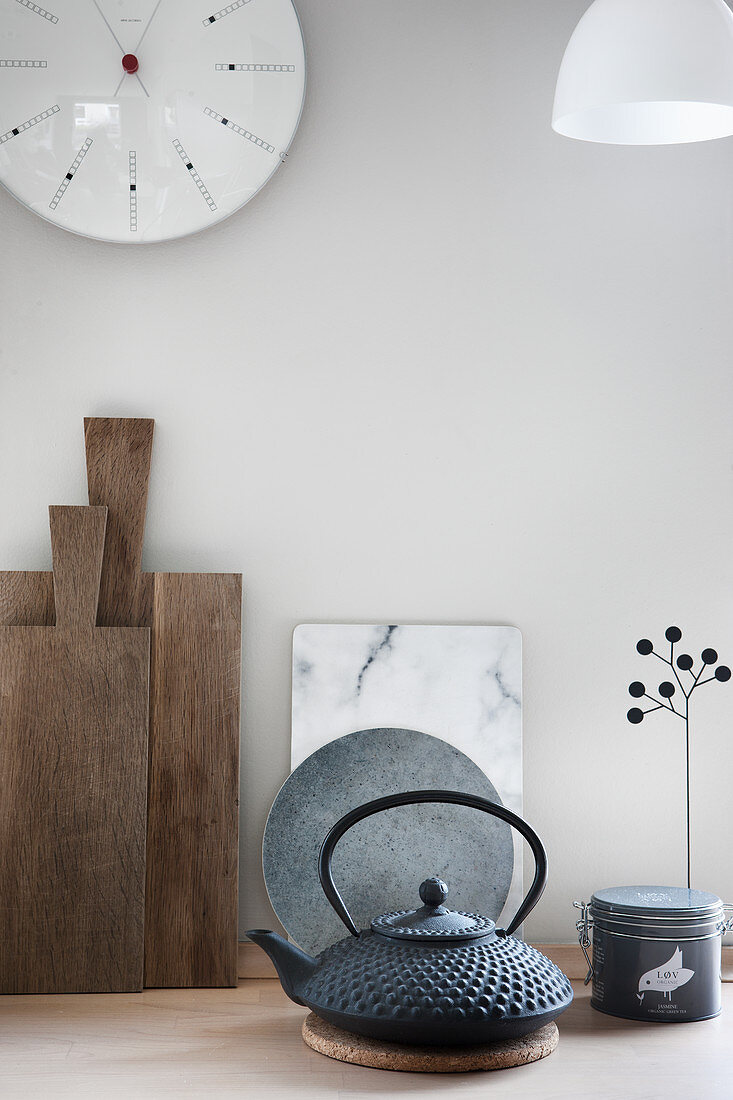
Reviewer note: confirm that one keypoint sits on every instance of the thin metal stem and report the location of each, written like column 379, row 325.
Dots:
column 697, row 682
column 687, row 754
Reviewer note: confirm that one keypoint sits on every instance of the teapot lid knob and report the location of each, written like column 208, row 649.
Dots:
column 433, row 923
column 433, row 891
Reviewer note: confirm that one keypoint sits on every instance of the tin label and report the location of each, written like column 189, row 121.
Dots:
column 666, row 978
column 647, row 979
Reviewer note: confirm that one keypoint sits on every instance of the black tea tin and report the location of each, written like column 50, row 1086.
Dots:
column 656, row 952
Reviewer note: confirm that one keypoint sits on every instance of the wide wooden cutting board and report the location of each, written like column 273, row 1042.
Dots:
column 195, row 621
column 73, row 777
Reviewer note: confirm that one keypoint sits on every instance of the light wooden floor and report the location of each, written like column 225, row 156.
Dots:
column 246, row 1043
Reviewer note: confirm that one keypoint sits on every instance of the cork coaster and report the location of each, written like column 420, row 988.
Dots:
column 361, row 1051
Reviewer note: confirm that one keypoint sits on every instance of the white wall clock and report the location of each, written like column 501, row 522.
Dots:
column 142, row 120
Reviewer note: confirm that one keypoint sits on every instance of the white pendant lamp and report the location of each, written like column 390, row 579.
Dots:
column 648, row 72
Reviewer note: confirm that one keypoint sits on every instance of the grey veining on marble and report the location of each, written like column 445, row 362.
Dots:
column 379, row 864
column 462, row 684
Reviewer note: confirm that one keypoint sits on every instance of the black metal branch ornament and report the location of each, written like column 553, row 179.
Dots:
column 667, row 690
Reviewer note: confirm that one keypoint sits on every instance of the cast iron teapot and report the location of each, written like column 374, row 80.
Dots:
column 426, row 976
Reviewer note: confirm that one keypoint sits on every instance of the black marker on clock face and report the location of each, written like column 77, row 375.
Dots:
column 194, row 175
column 132, row 168
column 224, row 12
column 239, row 130
column 63, row 186
column 28, row 123
column 251, row 67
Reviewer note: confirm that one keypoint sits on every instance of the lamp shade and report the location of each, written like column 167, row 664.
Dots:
column 648, row 72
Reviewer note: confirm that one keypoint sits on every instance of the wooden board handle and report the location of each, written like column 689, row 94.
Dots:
column 118, row 451
column 77, row 547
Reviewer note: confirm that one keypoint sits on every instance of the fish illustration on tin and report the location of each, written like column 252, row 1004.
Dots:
column 665, row 978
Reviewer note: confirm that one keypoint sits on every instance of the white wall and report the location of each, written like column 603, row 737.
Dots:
column 446, row 367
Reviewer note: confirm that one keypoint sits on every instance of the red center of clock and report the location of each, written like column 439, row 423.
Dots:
column 130, row 63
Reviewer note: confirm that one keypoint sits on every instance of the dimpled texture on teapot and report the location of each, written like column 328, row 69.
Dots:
column 371, row 976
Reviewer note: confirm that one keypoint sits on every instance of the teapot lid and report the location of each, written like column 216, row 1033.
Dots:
column 432, row 921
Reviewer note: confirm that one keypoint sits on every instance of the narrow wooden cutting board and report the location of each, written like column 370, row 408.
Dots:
column 193, row 805
column 73, row 772
column 118, row 451
column 193, row 792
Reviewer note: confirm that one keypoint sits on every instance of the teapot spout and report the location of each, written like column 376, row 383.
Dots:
column 293, row 966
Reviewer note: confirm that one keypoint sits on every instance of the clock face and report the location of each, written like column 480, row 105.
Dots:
column 142, row 120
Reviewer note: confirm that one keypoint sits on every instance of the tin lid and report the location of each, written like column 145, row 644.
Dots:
column 432, row 921
column 656, row 901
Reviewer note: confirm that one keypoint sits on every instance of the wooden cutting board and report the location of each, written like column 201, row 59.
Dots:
column 73, row 770
column 193, row 806
column 193, row 803
column 118, row 452
column 195, row 621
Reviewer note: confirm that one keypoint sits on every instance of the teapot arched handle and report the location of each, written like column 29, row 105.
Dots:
column 409, row 798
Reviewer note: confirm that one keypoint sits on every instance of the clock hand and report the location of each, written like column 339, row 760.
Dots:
column 150, row 20
column 122, row 48
column 117, row 89
column 96, row 5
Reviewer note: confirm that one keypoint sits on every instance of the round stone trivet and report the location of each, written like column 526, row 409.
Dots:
column 361, row 1051
column 379, row 865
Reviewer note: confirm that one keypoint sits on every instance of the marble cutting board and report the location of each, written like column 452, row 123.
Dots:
column 462, row 684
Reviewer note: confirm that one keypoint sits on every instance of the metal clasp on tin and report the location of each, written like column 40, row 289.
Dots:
column 727, row 925
column 583, row 927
